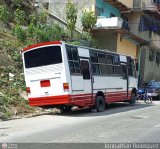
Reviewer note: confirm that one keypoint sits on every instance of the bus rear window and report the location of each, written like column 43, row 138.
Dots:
column 43, row 56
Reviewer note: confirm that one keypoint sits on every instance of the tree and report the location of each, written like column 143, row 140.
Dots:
column 71, row 16
column 88, row 20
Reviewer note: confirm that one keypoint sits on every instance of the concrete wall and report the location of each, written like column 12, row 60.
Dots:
column 107, row 9
column 107, row 40
column 58, row 8
column 141, row 67
column 151, row 68
column 155, row 41
column 126, row 47
column 128, row 3
column 148, row 70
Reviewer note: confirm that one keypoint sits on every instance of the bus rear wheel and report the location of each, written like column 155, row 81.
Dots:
column 133, row 99
column 66, row 108
column 100, row 104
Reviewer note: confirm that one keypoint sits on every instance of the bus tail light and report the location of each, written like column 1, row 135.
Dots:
column 65, row 86
column 45, row 83
column 28, row 90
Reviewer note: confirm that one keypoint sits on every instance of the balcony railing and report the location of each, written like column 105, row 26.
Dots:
column 126, row 25
column 148, row 23
column 145, row 4
column 112, row 23
column 117, row 24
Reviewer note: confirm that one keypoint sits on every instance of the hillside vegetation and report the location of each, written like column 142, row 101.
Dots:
column 11, row 76
column 22, row 25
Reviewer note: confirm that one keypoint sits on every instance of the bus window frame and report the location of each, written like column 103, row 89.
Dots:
column 73, row 61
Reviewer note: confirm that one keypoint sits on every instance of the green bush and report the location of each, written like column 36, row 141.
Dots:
column 33, row 18
column 19, row 16
column 88, row 20
column 17, row 3
column 4, row 13
column 5, row 100
column 20, row 33
column 42, row 17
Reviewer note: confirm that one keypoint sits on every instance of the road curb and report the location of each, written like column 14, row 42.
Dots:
column 29, row 116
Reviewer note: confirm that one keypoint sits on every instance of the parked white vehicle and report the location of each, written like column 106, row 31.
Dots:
column 61, row 75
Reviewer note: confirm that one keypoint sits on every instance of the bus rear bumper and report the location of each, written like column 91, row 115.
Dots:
column 50, row 100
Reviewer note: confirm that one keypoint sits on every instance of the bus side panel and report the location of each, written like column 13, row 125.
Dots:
column 111, row 86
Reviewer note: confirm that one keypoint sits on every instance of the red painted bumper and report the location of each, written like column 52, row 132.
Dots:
column 50, row 100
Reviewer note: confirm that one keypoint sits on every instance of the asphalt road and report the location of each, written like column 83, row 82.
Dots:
column 119, row 123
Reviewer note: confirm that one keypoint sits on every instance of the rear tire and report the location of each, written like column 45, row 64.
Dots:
column 66, row 108
column 100, row 104
column 133, row 99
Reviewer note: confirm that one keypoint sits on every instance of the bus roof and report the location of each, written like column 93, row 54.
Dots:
column 40, row 44
column 60, row 42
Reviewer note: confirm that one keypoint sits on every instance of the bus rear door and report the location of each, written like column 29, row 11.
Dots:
column 125, row 80
column 87, row 86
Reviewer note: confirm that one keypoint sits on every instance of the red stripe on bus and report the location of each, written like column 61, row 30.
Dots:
column 78, row 99
column 40, row 44
column 49, row 100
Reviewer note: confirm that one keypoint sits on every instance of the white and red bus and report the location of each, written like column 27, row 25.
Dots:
column 61, row 75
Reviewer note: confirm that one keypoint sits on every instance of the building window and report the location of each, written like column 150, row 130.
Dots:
column 156, row 2
column 98, row 11
column 151, row 55
column 146, row 23
column 73, row 59
column 158, row 58
column 112, row 15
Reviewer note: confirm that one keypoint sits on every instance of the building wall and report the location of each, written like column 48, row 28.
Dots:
column 107, row 9
column 148, row 70
column 58, row 7
column 128, row 3
column 141, row 68
column 151, row 68
column 107, row 40
column 126, row 47
column 155, row 41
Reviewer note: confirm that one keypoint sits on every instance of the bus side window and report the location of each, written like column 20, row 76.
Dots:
column 95, row 65
column 130, row 64
column 113, row 64
column 85, row 69
column 124, row 71
column 73, row 59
